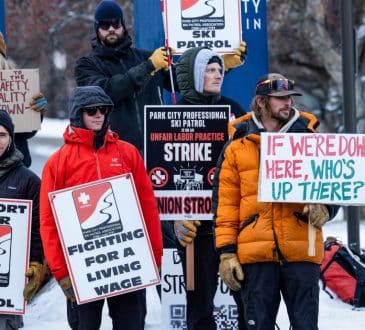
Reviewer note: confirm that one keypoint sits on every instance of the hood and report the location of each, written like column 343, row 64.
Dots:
column 190, row 75
column 86, row 96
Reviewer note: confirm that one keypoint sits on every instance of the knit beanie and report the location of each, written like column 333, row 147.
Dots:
column 107, row 10
column 5, row 121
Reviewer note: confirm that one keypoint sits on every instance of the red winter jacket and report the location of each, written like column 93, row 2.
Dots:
column 77, row 162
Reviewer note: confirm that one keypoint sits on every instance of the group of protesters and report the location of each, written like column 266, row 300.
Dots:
column 258, row 248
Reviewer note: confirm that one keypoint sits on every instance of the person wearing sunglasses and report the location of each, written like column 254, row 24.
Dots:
column 261, row 247
column 131, row 77
column 91, row 152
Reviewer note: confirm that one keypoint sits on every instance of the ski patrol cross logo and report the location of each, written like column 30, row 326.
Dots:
column 83, row 198
column 159, row 177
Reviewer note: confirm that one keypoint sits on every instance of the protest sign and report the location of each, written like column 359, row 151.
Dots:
column 16, row 90
column 312, row 168
column 104, row 238
column 174, row 300
column 201, row 23
column 15, row 224
column 182, row 145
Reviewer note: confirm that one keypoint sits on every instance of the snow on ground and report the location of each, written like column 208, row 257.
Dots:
column 48, row 310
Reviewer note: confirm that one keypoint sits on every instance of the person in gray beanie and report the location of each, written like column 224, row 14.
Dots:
column 19, row 182
column 92, row 152
column 131, row 77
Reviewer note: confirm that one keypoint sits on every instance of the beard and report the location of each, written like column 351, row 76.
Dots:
column 112, row 40
column 281, row 117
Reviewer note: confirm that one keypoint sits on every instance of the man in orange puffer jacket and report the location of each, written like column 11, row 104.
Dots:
column 263, row 246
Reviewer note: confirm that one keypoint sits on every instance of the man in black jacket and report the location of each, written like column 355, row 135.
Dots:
column 18, row 182
column 200, row 73
column 131, row 77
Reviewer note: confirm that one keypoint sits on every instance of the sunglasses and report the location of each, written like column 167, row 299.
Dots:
column 268, row 86
column 91, row 111
column 105, row 25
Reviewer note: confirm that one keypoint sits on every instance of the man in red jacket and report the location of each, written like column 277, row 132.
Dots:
column 91, row 152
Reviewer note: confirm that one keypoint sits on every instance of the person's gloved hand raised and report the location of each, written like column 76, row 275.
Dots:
column 66, row 286
column 230, row 271
column 39, row 103
column 36, row 273
column 159, row 58
column 185, row 231
column 237, row 58
column 317, row 214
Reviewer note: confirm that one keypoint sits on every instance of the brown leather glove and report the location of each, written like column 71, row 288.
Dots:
column 2, row 45
column 36, row 273
column 236, row 59
column 230, row 271
column 39, row 103
column 66, row 286
column 185, row 231
column 317, row 214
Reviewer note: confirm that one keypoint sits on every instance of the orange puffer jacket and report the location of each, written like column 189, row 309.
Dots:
column 257, row 231
column 77, row 162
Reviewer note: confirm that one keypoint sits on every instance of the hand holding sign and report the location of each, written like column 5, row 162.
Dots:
column 236, row 59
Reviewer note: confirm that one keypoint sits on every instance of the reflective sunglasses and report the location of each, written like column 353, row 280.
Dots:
column 91, row 111
column 268, row 86
column 105, row 25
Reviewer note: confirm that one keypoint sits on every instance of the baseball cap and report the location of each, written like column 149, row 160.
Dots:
column 275, row 84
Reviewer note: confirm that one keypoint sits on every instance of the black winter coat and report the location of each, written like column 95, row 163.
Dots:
column 18, row 182
column 125, row 75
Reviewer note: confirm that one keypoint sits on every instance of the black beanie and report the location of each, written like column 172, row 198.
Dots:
column 107, row 10
column 5, row 120
column 215, row 59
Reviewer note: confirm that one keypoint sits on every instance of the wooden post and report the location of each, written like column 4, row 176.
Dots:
column 190, row 269
column 311, row 240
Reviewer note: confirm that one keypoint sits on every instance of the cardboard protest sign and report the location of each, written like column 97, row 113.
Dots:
column 174, row 301
column 195, row 23
column 312, row 168
column 104, row 238
column 16, row 90
column 15, row 224
column 182, row 146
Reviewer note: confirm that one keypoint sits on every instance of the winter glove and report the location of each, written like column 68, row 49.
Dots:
column 66, row 285
column 185, row 231
column 36, row 274
column 317, row 214
column 159, row 58
column 2, row 45
column 230, row 271
column 39, row 103
column 236, row 59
